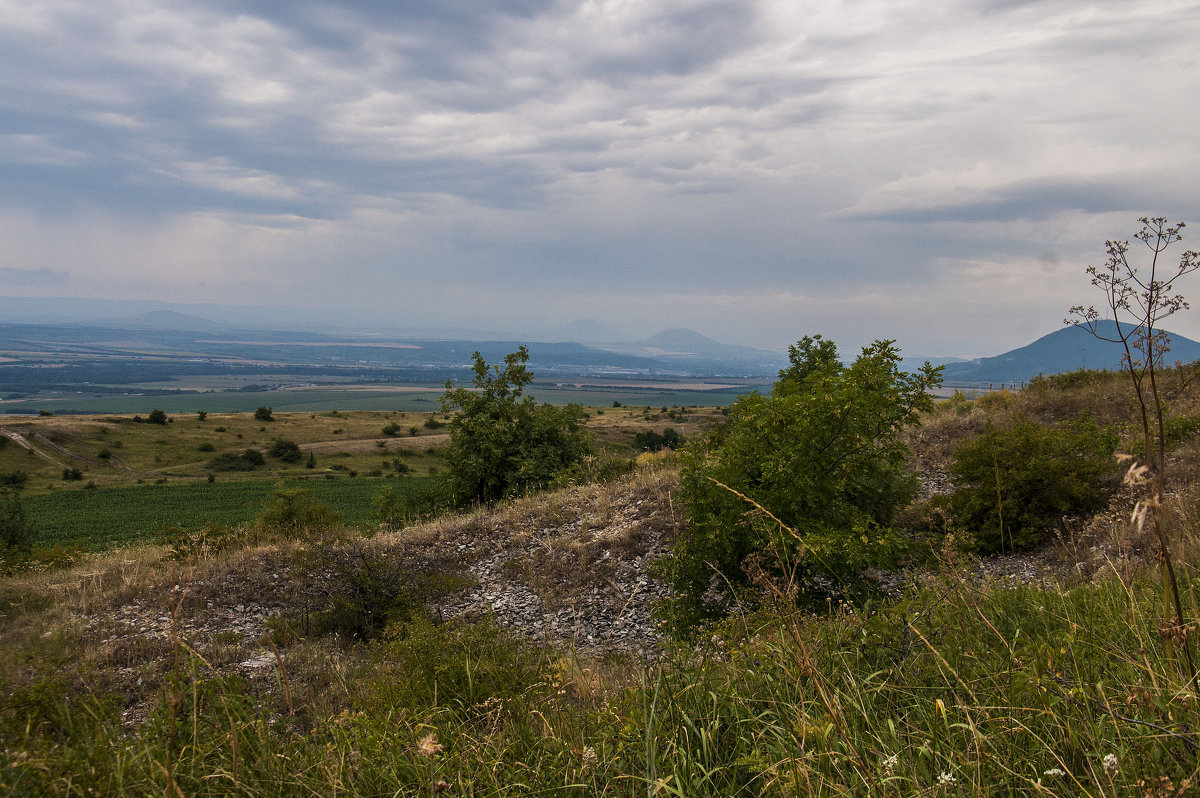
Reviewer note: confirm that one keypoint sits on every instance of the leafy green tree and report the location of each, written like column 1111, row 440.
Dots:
column 501, row 442
column 1015, row 483
column 821, row 454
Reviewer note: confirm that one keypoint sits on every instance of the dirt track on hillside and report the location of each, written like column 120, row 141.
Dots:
column 418, row 444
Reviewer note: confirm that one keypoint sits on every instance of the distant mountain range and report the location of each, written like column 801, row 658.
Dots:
column 1067, row 349
column 584, row 346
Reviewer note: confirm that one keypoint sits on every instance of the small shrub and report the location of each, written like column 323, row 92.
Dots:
column 1176, row 430
column 651, row 441
column 357, row 590
column 157, row 417
column 263, row 414
column 995, row 400
column 201, row 415
column 433, row 423
column 391, row 430
column 420, row 502
column 231, row 461
column 14, row 479
column 463, row 666
column 16, row 534
column 72, row 474
column 285, row 450
column 1016, row 483
column 206, row 447
column 297, row 510
column 204, row 542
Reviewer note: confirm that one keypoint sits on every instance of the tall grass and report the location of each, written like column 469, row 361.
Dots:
column 958, row 688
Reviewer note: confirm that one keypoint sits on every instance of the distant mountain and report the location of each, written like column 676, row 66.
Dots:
column 170, row 320
column 1067, row 349
column 584, row 331
column 682, row 342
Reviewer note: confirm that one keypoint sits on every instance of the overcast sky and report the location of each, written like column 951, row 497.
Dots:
column 757, row 170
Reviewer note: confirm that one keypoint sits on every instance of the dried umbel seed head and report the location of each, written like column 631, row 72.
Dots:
column 428, row 746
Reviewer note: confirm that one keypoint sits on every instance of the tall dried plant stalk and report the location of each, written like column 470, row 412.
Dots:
column 1137, row 301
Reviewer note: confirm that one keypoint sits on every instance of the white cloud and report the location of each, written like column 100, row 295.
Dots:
column 766, row 166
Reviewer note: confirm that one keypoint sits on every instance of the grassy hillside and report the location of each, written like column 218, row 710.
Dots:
column 122, row 450
column 508, row 651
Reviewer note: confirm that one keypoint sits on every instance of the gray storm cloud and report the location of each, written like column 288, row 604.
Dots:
column 755, row 170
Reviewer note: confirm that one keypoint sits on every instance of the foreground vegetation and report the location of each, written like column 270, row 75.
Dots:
column 953, row 690
column 1061, row 682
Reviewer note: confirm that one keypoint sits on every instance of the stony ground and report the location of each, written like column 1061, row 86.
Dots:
column 569, row 568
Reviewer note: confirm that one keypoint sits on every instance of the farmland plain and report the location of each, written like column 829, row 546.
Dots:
column 94, row 482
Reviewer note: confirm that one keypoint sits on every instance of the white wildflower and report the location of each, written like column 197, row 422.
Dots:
column 1054, row 772
column 889, row 764
column 1111, row 763
column 946, row 778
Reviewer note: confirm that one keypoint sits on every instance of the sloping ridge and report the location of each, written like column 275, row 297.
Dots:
column 1067, row 349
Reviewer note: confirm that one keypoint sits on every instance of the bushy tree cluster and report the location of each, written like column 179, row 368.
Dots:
column 651, row 441
column 501, row 442
column 285, row 450
column 821, row 454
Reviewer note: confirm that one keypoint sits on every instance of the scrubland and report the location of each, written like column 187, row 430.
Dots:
column 316, row 658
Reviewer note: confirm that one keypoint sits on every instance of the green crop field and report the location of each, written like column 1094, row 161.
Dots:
column 100, row 519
